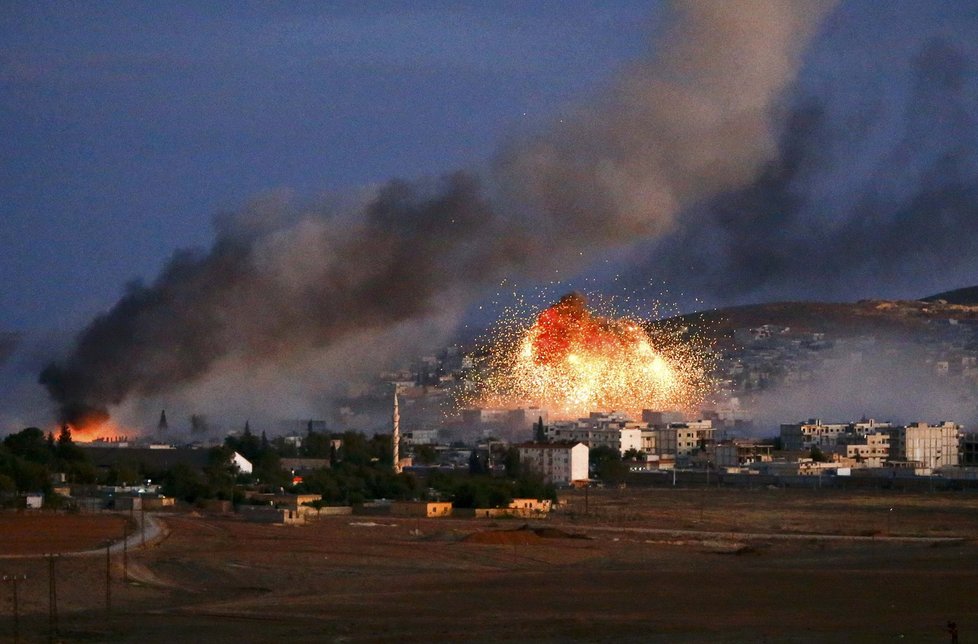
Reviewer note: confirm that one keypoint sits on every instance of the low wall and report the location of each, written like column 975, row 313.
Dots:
column 265, row 514
column 496, row 513
column 328, row 511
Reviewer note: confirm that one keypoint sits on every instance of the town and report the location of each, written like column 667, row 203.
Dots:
column 491, row 459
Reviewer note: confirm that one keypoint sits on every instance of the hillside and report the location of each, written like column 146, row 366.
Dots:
column 966, row 296
column 835, row 318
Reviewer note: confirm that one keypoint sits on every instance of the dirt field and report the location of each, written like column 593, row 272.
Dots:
column 35, row 533
column 392, row 580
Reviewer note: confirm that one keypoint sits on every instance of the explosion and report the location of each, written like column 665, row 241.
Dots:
column 88, row 424
column 572, row 361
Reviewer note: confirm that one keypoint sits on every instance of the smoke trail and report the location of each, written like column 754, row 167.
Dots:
column 672, row 130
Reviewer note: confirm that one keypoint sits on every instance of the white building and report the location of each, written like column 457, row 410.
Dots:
column 240, row 462
column 932, row 446
column 558, row 463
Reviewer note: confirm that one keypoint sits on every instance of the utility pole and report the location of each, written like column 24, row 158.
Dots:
column 52, row 597
column 13, row 580
column 142, row 518
column 108, row 577
column 125, row 551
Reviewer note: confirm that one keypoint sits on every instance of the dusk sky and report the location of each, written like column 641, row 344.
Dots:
column 128, row 127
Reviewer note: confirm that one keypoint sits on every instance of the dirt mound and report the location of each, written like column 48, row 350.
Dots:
column 518, row 537
column 524, row 535
column 554, row 533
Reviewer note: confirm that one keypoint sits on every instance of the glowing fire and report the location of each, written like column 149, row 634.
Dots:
column 101, row 430
column 571, row 362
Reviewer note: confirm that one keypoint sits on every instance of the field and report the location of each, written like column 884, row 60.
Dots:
column 30, row 533
column 639, row 565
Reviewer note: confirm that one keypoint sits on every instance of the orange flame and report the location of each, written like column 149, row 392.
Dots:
column 571, row 362
column 97, row 430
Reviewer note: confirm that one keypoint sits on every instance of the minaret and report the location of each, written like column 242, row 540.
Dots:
column 162, row 426
column 396, row 438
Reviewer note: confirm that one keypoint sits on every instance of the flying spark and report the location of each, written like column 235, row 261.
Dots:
column 571, row 361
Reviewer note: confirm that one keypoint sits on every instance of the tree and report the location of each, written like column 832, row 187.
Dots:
column 199, row 424
column 539, row 431
column 124, row 472
column 31, row 444
column 818, row 455
column 607, row 464
column 66, row 450
column 248, row 445
column 425, row 454
column 317, row 445
column 511, row 461
column 477, row 464
column 183, row 482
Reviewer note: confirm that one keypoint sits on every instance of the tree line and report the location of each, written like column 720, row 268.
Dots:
column 359, row 468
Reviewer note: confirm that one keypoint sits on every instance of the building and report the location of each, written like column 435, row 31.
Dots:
column 240, row 462
column 683, row 440
column 613, row 430
column 737, row 453
column 428, row 509
column 268, row 514
column 288, row 501
column 868, row 450
column 661, row 418
column 537, row 506
column 813, row 433
column 619, row 439
column 421, row 437
column 302, row 465
column 928, row 446
column 558, row 463
column 147, row 459
column 968, row 452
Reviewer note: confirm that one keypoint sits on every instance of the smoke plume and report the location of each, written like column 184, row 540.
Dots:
column 693, row 119
column 876, row 204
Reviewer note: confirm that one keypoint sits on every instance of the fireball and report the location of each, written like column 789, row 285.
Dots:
column 572, row 361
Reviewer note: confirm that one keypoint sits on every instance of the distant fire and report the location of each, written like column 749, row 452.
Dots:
column 105, row 430
column 88, row 423
column 571, row 361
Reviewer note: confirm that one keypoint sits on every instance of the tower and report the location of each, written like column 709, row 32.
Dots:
column 396, row 437
column 162, row 426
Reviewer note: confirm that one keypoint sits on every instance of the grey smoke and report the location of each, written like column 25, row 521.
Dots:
column 832, row 215
column 894, row 379
column 694, row 118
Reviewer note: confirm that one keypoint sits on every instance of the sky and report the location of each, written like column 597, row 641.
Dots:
column 133, row 131
column 128, row 126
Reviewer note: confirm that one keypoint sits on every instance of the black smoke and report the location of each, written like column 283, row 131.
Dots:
column 693, row 118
